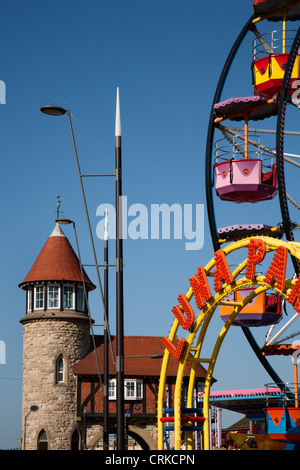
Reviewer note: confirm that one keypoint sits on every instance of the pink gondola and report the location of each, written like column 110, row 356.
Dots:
column 244, row 179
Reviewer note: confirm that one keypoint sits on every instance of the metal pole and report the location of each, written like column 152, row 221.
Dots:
column 87, row 213
column 295, row 359
column 84, row 428
column 106, row 343
column 119, row 284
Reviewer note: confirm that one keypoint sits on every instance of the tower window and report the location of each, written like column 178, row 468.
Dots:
column 80, row 299
column 39, row 297
column 68, row 297
column 29, row 300
column 60, row 370
column 42, row 440
column 75, row 440
column 53, row 296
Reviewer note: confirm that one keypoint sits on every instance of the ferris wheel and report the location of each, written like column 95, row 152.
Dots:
column 256, row 162
column 251, row 160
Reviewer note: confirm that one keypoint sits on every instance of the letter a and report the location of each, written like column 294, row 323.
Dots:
column 294, row 296
column 277, row 270
column 222, row 271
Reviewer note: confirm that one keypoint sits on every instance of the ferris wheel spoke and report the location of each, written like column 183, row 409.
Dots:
column 267, row 131
column 289, row 160
column 290, row 336
column 232, row 131
column 276, row 337
column 264, row 43
column 292, row 201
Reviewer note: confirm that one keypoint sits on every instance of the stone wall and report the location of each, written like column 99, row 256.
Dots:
column 138, row 436
column 43, row 342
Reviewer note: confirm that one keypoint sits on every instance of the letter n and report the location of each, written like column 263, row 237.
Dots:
column 277, row 270
column 175, row 351
column 185, row 307
column 200, row 287
column 222, row 271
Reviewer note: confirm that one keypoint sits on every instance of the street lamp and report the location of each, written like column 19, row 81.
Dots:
column 64, row 221
column 53, row 110
column 31, row 408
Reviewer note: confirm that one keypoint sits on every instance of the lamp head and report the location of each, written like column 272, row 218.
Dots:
column 52, row 110
column 64, row 221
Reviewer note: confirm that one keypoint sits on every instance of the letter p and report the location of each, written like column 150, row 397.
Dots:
column 256, row 253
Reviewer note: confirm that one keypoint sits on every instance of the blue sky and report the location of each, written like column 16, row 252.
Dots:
column 165, row 57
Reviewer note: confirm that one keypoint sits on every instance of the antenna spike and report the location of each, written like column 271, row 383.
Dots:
column 118, row 116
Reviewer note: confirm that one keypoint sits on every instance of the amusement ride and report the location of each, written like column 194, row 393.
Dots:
column 252, row 281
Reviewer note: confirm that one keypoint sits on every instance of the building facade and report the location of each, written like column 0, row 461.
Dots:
column 56, row 335
column 62, row 403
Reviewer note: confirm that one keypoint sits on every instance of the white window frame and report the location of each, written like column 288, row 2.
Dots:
column 200, row 387
column 41, row 299
column 29, row 300
column 69, row 290
column 133, row 389
column 134, row 393
column 55, row 286
column 112, row 389
column 60, row 370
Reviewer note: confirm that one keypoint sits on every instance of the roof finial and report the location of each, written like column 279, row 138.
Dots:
column 57, row 206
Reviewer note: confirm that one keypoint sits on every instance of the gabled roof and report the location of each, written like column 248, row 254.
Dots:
column 133, row 366
column 57, row 262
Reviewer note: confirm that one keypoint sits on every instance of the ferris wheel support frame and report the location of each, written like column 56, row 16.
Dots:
column 209, row 187
column 193, row 350
column 210, row 133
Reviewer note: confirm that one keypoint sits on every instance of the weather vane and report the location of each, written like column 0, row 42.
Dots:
column 57, row 206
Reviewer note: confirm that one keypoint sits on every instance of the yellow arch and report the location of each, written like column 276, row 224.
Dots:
column 193, row 353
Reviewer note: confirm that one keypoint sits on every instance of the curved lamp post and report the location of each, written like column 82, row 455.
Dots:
column 53, row 110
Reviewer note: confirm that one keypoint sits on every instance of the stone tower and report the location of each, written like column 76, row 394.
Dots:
column 56, row 335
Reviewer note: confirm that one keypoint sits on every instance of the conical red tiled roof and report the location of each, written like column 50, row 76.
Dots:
column 57, row 262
